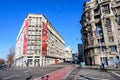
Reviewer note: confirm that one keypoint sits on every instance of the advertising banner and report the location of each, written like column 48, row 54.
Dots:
column 25, row 37
column 44, row 38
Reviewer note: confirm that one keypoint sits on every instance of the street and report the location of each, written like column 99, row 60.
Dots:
column 60, row 71
column 24, row 73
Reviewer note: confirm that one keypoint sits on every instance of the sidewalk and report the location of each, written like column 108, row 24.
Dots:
column 77, row 70
column 106, row 68
column 72, row 74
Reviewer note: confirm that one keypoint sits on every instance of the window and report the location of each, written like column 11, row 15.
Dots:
column 37, row 33
column 105, row 7
column 29, row 32
column 119, row 20
column 111, row 39
column 109, row 29
column 29, row 47
column 100, row 40
column 119, row 34
column 108, row 22
column 32, row 47
column 113, row 48
column 101, row 32
column 30, row 61
column 101, row 49
column 98, row 26
column 32, row 37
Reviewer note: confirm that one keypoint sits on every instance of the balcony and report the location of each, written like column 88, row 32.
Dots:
column 89, row 29
column 118, row 20
column 96, row 13
column 103, row 1
column 116, row 4
column 107, row 24
column 88, row 7
column 98, row 44
column 113, row 53
column 118, row 41
column 109, row 33
column 96, row 20
column 91, row 46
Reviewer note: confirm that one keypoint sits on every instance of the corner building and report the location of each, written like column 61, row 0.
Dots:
column 38, row 43
column 101, row 31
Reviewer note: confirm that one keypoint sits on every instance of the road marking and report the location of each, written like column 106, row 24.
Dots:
column 89, row 78
column 116, row 74
column 8, row 78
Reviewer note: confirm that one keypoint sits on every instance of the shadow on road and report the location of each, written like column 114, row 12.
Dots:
column 29, row 78
column 86, row 77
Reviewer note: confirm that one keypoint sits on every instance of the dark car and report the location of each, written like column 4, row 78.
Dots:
column 1, row 66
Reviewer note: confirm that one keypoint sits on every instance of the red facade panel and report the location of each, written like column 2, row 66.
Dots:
column 44, row 38
column 25, row 37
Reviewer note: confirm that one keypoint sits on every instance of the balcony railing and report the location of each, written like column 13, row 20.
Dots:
column 102, row 1
column 116, row 4
column 97, row 13
column 107, row 24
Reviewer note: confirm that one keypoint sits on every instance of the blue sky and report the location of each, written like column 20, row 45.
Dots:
column 64, row 15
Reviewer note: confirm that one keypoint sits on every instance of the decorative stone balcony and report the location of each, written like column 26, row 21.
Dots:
column 116, row 4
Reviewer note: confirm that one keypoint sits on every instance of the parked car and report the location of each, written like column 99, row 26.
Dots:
column 1, row 66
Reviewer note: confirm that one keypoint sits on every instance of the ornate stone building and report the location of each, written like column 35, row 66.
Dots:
column 101, row 31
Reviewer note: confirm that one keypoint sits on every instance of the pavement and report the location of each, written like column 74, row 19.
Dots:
column 108, row 68
column 93, row 73
column 75, row 72
column 64, row 72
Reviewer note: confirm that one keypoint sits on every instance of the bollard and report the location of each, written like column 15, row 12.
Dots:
column 47, row 77
column 42, row 78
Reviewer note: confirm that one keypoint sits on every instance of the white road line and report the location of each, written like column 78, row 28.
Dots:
column 116, row 74
column 90, row 78
column 11, row 77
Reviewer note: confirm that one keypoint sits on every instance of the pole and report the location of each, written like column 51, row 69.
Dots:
column 83, row 64
column 102, row 58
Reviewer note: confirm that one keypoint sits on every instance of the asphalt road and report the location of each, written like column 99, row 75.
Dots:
column 24, row 73
column 75, row 74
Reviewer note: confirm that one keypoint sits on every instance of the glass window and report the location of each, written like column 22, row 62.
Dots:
column 111, row 38
column 108, row 22
column 32, row 47
column 113, row 48
column 109, row 29
column 29, row 47
column 101, row 49
column 119, row 19
column 29, row 32
column 100, row 40
column 106, row 8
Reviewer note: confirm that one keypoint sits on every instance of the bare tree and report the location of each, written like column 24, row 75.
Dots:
column 10, row 56
column 2, row 61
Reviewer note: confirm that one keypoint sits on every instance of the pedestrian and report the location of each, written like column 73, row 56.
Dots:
column 116, row 65
column 103, row 67
column 27, row 64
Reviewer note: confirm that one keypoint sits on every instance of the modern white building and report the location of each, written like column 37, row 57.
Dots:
column 38, row 43
column 68, row 54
